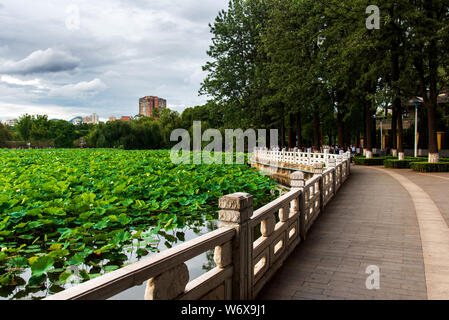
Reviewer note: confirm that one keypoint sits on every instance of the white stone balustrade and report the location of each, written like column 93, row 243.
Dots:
column 299, row 158
column 243, row 264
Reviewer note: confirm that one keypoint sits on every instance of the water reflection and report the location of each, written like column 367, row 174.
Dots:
column 21, row 287
column 197, row 266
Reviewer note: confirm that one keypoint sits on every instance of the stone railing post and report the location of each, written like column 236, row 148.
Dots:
column 349, row 163
column 318, row 171
column 297, row 182
column 339, row 159
column 236, row 210
column 339, row 163
column 333, row 166
column 326, row 156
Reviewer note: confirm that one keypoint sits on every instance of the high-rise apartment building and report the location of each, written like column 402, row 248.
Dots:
column 147, row 105
column 95, row 118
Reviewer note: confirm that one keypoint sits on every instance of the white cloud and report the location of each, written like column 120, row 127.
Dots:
column 15, row 110
column 81, row 89
column 72, row 21
column 136, row 47
column 18, row 82
column 42, row 61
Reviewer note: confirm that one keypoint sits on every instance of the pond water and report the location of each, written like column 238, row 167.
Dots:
column 197, row 266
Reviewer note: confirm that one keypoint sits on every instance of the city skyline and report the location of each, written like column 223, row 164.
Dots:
column 78, row 57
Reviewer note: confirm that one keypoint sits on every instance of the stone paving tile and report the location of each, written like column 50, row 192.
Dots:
column 371, row 222
column 434, row 186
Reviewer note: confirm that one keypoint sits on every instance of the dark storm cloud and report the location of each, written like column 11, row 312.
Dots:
column 41, row 61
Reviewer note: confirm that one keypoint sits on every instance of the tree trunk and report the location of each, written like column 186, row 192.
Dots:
column 291, row 132
column 395, row 75
column 431, row 115
column 299, row 129
column 433, row 102
column 340, row 129
column 282, row 127
column 400, row 127
column 394, row 121
column 368, row 124
column 316, row 128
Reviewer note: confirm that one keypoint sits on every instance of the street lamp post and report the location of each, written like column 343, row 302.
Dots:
column 381, row 118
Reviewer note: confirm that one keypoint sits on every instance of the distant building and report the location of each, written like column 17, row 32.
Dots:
column 95, row 118
column 76, row 121
column 87, row 120
column 125, row 118
column 12, row 122
column 147, row 105
column 112, row 118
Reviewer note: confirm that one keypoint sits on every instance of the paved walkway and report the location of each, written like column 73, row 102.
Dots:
column 396, row 220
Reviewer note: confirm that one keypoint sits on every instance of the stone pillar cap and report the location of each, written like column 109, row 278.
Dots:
column 236, row 201
column 297, row 175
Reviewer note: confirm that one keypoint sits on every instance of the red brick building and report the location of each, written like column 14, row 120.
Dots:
column 147, row 105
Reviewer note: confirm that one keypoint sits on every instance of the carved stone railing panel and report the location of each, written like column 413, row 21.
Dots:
column 156, row 268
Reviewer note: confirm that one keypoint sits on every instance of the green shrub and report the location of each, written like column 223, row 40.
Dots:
column 430, row 167
column 363, row 161
column 397, row 164
column 444, row 160
column 400, row 164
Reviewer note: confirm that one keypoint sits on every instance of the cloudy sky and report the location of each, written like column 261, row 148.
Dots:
column 67, row 58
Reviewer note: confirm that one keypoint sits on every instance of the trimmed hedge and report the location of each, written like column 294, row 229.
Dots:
column 363, row 161
column 430, row 167
column 398, row 164
column 401, row 164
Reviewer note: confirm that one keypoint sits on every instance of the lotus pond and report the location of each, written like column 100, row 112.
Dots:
column 67, row 216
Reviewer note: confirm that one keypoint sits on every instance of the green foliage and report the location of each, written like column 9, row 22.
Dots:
column 363, row 161
column 143, row 133
column 5, row 135
column 400, row 164
column 430, row 167
column 41, row 266
column 313, row 66
column 41, row 132
column 87, row 208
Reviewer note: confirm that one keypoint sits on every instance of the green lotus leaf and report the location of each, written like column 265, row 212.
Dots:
column 41, row 266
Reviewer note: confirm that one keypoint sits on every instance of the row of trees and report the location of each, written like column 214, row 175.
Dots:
column 313, row 67
column 41, row 132
column 5, row 135
column 141, row 133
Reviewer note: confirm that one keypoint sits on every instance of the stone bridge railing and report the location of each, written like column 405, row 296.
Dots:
column 244, row 262
column 297, row 158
